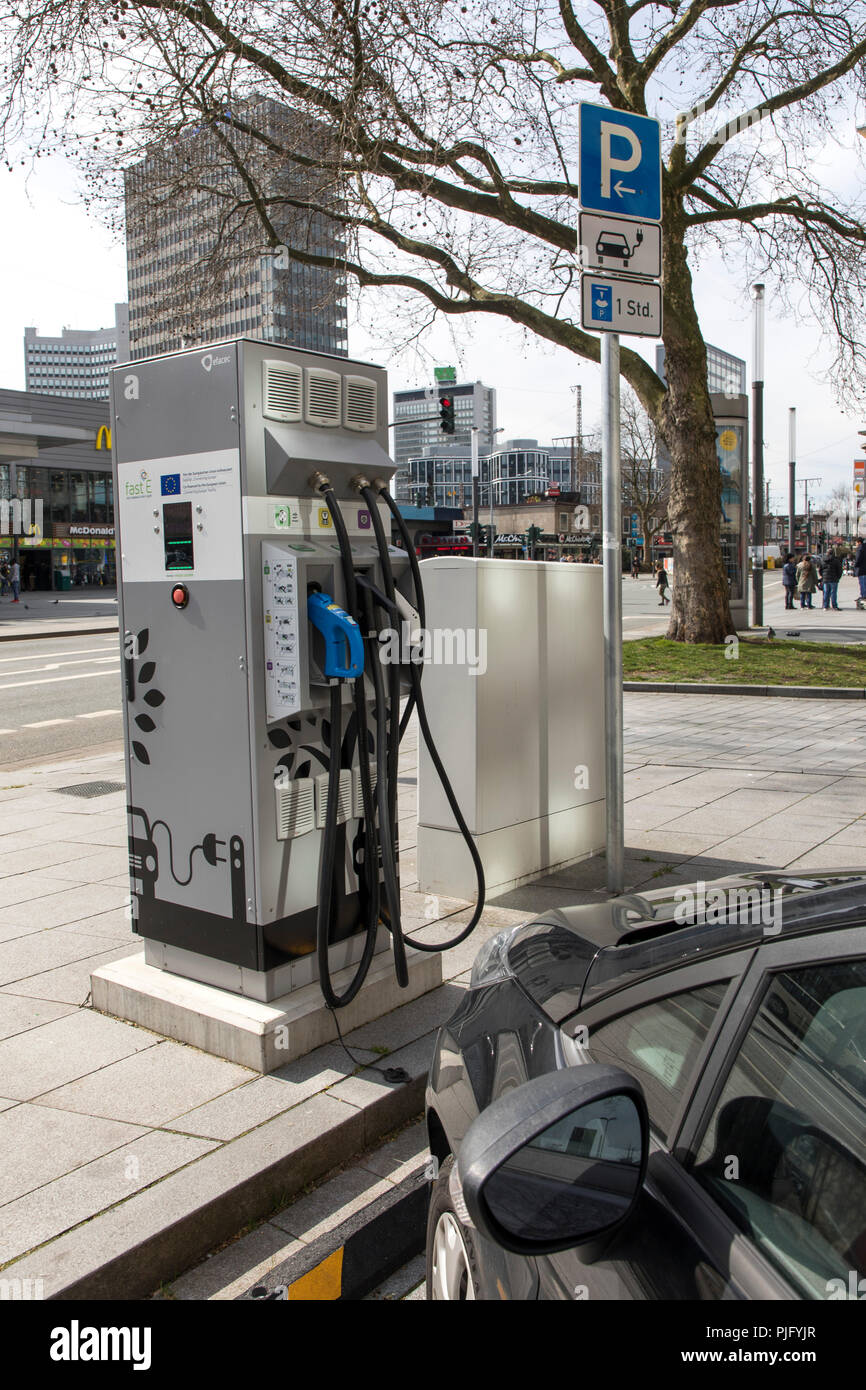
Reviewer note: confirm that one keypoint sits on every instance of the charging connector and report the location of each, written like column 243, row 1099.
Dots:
column 209, row 846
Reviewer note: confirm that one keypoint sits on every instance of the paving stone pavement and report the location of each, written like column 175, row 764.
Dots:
column 103, row 1124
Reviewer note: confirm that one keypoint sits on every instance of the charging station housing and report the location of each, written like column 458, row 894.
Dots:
column 225, row 709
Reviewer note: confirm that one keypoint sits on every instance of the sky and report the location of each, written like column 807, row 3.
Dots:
column 62, row 268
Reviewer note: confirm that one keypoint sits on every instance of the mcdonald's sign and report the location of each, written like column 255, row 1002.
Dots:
column 104, row 437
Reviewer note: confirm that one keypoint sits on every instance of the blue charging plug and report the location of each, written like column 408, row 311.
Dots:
column 341, row 634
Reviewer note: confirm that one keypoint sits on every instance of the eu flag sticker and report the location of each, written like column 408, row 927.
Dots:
column 170, row 484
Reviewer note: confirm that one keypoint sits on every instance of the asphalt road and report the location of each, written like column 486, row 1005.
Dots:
column 58, row 695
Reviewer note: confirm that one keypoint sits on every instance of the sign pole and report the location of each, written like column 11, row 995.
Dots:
column 611, row 500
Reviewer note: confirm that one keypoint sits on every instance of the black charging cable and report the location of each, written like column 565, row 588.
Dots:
column 417, row 699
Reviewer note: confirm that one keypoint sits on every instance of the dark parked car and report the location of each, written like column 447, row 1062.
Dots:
column 659, row 1098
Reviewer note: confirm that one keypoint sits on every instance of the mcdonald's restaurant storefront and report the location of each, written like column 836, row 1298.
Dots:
column 56, row 491
column 62, row 555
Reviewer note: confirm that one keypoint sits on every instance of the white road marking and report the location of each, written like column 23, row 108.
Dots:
column 98, row 713
column 55, row 680
column 79, row 651
column 44, row 723
column 56, row 665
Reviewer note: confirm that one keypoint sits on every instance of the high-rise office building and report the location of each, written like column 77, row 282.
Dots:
column 417, row 436
column 199, row 268
column 77, row 363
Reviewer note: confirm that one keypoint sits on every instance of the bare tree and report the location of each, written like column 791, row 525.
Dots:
column 452, row 143
column 645, row 485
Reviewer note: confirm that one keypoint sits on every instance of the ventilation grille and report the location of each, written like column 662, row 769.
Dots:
column 344, row 799
column 323, row 397
column 357, row 796
column 281, row 391
column 296, row 808
column 359, row 403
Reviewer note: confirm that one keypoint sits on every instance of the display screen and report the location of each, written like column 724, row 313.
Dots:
column 177, row 530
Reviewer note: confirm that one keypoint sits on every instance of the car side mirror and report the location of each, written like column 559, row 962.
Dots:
column 558, row 1161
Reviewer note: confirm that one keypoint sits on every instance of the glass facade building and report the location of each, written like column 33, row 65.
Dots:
column 518, row 470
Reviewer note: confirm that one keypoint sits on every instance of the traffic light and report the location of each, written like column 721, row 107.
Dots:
column 446, row 413
column 533, row 536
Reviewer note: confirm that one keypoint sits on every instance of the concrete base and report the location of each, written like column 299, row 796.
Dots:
column 512, row 855
column 256, row 1035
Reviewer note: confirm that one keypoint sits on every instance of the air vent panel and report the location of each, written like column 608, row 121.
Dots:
column 296, row 808
column 357, row 794
column 359, row 403
column 282, row 391
column 323, row 396
column 344, row 798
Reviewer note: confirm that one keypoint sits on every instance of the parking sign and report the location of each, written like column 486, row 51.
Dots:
column 620, row 163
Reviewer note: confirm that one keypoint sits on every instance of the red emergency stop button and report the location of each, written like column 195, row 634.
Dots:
column 180, row 595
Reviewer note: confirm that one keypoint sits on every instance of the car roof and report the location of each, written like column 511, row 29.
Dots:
column 571, row 957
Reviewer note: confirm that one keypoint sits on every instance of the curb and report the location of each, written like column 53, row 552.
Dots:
column 98, row 1260
column 345, row 1264
column 786, row 692
column 57, row 632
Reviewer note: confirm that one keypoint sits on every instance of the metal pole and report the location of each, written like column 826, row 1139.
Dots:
column 474, row 433
column 791, row 474
column 612, row 580
column 758, row 454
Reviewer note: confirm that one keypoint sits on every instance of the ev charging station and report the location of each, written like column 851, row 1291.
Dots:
column 261, row 724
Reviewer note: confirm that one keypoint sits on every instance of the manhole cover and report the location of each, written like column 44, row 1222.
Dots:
column 92, row 788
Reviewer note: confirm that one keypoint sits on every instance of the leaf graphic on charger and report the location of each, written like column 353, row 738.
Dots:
column 145, row 722
column 303, row 770
column 140, row 752
column 279, row 738
column 326, row 733
column 154, row 698
column 141, row 641
column 147, row 672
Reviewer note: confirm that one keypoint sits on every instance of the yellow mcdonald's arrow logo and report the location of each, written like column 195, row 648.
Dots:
column 104, row 437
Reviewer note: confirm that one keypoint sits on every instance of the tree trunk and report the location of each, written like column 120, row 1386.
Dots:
column 700, row 607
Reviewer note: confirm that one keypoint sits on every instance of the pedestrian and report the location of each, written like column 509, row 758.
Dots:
column 789, row 579
column 662, row 583
column 831, row 573
column 4, row 580
column 635, row 567
column 807, row 581
column 859, row 568
column 15, row 579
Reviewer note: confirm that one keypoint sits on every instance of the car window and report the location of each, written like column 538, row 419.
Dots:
column 785, row 1148
column 659, row 1043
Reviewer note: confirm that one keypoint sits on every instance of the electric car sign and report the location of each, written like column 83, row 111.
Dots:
column 620, row 163
column 618, row 244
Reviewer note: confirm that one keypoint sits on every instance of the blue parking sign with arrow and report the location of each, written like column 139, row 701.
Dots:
column 620, row 163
